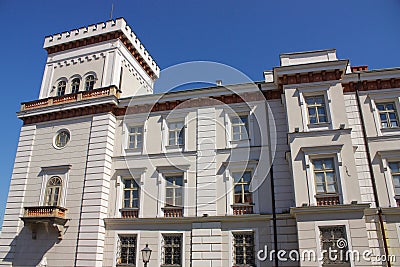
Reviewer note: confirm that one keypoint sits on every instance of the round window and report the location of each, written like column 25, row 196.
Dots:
column 62, row 139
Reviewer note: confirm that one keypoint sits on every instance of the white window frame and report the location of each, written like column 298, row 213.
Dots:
column 129, row 134
column 320, row 152
column 137, row 174
column 232, row 242
column 91, row 73
column 384, row 96
column 165, row 171
column 238, row 111
column 333, row 223
column 168, row 118
column 386, row 157
column 134, row 121
column 72, row 79
column 138, row 244
column 317, row 90
column 236, row 167
column 161, row 242
column 47, row 172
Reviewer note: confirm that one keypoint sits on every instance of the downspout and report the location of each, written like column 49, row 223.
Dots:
column 371, row 171
column 83, row 193
column 272, row 184
column 274, row 213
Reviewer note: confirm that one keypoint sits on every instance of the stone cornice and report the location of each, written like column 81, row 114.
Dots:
column 369, row 85
column 187, row 220
column 296, row 211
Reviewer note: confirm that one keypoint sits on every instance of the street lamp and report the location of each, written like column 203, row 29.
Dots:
column 146, row 252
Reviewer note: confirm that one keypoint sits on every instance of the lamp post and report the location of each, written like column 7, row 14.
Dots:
column 146, row 252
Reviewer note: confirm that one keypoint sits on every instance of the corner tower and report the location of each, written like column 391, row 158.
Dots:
column 98, row 56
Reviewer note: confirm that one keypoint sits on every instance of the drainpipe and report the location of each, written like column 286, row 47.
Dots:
column 274, row 214
column 272, row 184
column 371, row 171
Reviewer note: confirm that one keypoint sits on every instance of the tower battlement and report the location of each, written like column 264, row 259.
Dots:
column 112, row 29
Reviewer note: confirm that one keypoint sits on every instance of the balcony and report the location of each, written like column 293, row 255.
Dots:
column 57, row 100
column 327, row 200
column 242, row 209
column 52, row 215
column 129, row 213
column 173, row 212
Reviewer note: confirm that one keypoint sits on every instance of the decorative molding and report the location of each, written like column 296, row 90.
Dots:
column 372, row 85
column 309, row 77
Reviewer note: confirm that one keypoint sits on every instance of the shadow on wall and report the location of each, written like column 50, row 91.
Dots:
column 26, row 251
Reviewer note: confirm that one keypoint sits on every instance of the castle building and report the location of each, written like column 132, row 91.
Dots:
column 306, row 161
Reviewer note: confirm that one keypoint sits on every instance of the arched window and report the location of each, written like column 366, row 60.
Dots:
column 61, row 88
column 75, row 85
column 89, row 83
column 53, row 191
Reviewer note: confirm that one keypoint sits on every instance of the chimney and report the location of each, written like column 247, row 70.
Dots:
column 218, row 82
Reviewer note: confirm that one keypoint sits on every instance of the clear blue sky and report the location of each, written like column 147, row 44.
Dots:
column 247, row 35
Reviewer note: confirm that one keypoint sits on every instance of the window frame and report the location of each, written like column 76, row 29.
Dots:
column 119, row 249
column 174, row 187
column 135, row 134
column 118, row 233
column 182, row 248
column 240, row 124
column 388, row 120
column 386, row 158
column 242, row 185
column 61, row 171
column 233, row 233
column 58, row 187
column 177, row 134
column 321, row 89
column 57, row 134
column 73, row 84
column 131, row 191
column 315, row 107
column 86, row 87
column 320, row 152
column 324, row 171
column 331, row 223
column 383, row 96
column 64, row 87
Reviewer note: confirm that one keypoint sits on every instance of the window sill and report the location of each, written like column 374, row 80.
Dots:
column 390, row 129
column 318, row 125
column 133, row 150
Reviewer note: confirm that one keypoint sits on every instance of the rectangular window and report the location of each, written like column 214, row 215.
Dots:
column 135, row 137
column 244, row 249
column 176, row 133
column 131, row 194
column 172, row 249
column 316, row 109
column 325, row 177
column 388, row 115
column 127, row 251
column 242, row 194
column 395, row 170
column 174, row 191
column 240, row 128
column 334, row 245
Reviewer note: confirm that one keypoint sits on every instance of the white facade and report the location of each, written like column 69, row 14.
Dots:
column 96, row 178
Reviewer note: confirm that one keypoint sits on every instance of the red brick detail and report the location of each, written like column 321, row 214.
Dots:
column 359, row 68
column 310, row 77
column 371, row 85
